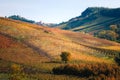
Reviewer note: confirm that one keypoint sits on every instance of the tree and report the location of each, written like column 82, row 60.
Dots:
column 111, row 35
column 108, row 34
column 101, row 34
column 113, row 27
column 65, row 56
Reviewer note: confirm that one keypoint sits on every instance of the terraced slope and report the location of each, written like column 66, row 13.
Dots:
column 33, row 43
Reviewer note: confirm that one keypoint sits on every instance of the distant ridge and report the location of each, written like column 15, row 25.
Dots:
column 93, row 19
column 17, row 17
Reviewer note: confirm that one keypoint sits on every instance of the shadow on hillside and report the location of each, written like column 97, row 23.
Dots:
column 38, row 50
column 59, row 62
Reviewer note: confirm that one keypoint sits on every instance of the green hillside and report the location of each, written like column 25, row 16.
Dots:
column 93, row 19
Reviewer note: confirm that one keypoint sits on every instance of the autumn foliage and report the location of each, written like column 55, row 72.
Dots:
column 89, row 70
column 16, row 68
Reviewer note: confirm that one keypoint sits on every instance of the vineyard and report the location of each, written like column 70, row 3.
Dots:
column 35, row 51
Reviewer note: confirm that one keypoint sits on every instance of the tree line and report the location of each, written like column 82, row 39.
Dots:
column 17, row 17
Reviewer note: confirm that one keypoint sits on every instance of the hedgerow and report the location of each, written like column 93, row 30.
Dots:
column 88, row 70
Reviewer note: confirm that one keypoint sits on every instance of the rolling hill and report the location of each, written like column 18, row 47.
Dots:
column 93, row 19
column 39, row 48
column 50, row 42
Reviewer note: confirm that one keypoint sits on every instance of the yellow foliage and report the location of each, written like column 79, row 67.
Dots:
column 16, row 68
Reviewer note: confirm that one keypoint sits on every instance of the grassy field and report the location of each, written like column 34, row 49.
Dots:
column 38, row 48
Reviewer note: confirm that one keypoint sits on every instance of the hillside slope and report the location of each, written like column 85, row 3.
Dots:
column 93, row 19
column 28, row 42
column 12, row 50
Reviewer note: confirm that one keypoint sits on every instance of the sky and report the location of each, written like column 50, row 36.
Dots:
column 51, row 11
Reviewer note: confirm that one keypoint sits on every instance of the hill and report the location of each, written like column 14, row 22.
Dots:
column 37, row 49
column 93, row 19
column 17, row 17
column 51, row 42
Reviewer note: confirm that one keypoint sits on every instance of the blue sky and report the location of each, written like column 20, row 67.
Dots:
column 51, row 11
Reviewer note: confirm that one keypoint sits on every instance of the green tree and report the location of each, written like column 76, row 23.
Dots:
column 65, row 56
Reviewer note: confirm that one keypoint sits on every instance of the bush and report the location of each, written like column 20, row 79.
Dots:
column 15, row 68
column 65, row 56
column 102, row 71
